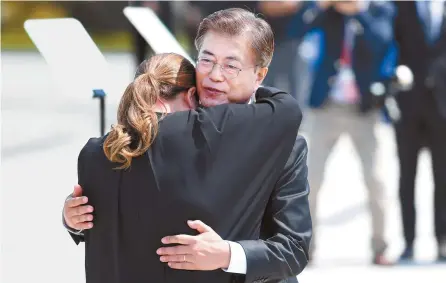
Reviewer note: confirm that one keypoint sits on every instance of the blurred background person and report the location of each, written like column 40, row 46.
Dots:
column 357, row 36
column 420, row 32
column 282, row 73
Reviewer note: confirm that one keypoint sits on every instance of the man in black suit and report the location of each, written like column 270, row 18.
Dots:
column 285, row 231
column 420, row 32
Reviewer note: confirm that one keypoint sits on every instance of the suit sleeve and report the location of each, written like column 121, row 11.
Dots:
column 377, row 25
column 274, row 110
column 287, row 228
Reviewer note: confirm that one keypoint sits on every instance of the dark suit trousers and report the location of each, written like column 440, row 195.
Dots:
column 421, row 125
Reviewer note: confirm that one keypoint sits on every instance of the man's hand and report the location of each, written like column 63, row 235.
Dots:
column 75, row 211
column 348, row 8
column 206, row 251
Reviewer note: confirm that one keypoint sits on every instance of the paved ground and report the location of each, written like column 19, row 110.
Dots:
column 44, row 127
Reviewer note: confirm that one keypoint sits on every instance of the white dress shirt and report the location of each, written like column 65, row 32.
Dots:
column 237, row 263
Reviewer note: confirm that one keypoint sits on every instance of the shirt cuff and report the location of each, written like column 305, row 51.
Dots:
column 76, row 232
column 72, row 231
column 237, row 262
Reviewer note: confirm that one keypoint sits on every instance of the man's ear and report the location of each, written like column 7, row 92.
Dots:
column 261, row 74
column 191, row 98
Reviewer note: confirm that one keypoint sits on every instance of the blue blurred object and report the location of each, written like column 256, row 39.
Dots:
column 98, row 93
column 373, row 35
column 387, row 70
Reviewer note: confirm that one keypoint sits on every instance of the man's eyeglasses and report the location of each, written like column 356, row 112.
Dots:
column 229, row 71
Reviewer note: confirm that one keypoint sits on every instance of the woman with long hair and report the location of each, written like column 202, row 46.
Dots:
column 163, row 84
column 165, row 162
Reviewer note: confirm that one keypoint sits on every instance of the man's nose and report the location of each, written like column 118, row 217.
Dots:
column 216, row 74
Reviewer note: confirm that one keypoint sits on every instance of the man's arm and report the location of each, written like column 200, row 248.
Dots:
column 274, row 109
column 286, row 233
column 76, row 215
column 287, row 226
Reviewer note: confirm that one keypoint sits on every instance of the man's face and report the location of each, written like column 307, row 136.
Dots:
column 235, row 76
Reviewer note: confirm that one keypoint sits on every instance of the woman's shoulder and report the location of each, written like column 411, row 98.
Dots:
column 93, row 148
column 95, row 144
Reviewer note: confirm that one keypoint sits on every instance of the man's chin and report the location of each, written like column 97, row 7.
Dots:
column 211, row 102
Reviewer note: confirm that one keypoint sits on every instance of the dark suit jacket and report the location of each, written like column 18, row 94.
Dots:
column 427, row 61
column 373, row 39
column 218, row 165
column 287, row 213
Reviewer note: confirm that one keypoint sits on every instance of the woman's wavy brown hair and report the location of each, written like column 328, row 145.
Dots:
column 162, row 76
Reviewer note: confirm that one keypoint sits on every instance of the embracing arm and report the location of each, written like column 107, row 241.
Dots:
column 274, row 110
column 242, row 125
column 76, row 215
column 286, row 227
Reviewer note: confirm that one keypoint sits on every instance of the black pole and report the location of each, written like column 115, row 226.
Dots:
column 102, row 113
column 99, row 93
